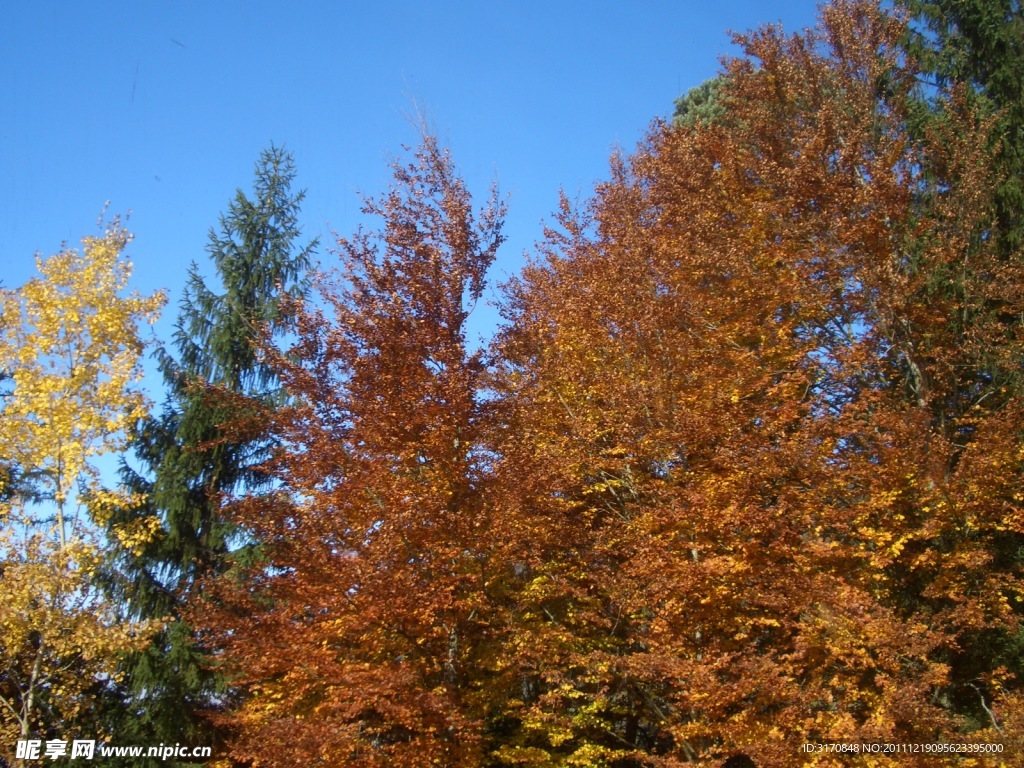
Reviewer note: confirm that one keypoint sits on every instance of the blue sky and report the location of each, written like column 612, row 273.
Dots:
column 163, row 107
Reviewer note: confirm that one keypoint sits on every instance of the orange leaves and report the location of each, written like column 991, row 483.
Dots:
column 735, row 418
column 375, row 551
column 746, row 473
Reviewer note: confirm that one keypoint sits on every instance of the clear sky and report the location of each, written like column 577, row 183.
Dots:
column 162, row 107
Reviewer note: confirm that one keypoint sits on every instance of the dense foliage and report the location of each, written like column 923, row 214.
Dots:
column 742, row 471
column 70, row 349
column 979, row 45
column 376, row 541
column 185, row 460
column 770, row 372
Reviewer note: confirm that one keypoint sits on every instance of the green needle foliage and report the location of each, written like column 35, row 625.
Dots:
column 981, row 43
column 185, row 461
column 973, row 50
column 700, row 104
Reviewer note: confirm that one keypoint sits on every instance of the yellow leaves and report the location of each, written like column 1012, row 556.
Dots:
column 103, row 503
column 897, row 546
column 70, row 342
column 55, row 631
column 558, row 736
column 519, row 755
column 592, row 755
column 607, row 484
column 137, row 534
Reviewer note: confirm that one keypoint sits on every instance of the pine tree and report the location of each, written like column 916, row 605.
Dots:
column 700, row 104
column 981, row 43
column 184, row 459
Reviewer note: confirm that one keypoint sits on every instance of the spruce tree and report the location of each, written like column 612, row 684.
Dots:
column 981, row 43
column 184, row 462
column 702, row 103
column 972, row 52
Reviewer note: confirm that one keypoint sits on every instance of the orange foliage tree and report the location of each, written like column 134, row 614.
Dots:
column 349, row 639
column 764, row 443
column 744, row 472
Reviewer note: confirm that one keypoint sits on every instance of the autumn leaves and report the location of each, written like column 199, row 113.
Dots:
column 70, row 347
column 738, row 476
column 375, row 547
column 741, row 471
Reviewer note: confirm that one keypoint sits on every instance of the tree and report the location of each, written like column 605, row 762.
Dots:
column 70, row 345
column 699, row 104
column 974, row 51
column 759, row 511
column 186, row 460
column 980, row 44
column 359, row 639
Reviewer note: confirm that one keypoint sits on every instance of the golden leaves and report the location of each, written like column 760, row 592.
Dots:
column 69, row 340
column 70, row 343
column 730, row 387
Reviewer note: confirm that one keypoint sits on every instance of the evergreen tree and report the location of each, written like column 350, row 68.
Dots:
column 700, row 104
column 973, row 52
column 981, row 43
column 186, row 461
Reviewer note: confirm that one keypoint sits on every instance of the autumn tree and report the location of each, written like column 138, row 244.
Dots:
column 358, row 639
column 184, row 461
column 70, row 346
column 764, row 507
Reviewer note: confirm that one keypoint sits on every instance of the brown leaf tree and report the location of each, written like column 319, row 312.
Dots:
column 766, row 470
column 351, row 638
column 744, row 472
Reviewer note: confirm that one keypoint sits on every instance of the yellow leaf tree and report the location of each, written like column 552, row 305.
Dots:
column 69, row 349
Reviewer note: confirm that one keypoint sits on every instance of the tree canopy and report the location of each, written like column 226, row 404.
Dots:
column 70, row 347
column 740, row 472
